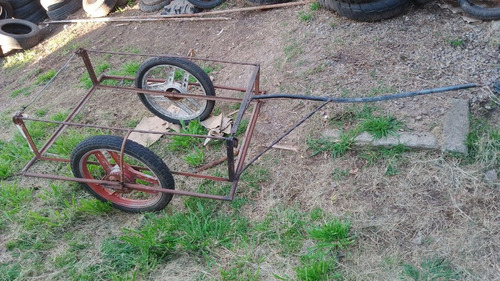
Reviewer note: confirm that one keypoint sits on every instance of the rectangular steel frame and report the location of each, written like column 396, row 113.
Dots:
column 235, row 166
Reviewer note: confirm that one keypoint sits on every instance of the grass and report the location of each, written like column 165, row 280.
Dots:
column 25, row 91
column 19, row 60
column 456, row 42
column 360, row 119
column 85, row 81
column 185, row 143
column 483, row 143
column 45, row 78
column 434, row 268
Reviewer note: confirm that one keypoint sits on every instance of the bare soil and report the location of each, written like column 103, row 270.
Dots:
column 432, row 207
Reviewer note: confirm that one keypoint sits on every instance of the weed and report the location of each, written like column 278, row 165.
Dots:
column 133, row 123
column 292, row 51
column 13, row 199
column 483, row 143
column 127, row 69
column 25, row 91
column 337, row 148
column 242, row 128
column 456, row 42
column 122, row 254
column 317, row 213
column 254, row 177
column 352, row 113
column 305, row 16
column 340, row 174
column 331, row 235
column 41, row 112
column 195, row 157
column 185, row 143
column 432, row 269
column 10, row 271
column 314, row 6
column 94, row 206
column 382, row 126
column 381, row 89
column 99, row 69
column 45, row 78
column 318, row 269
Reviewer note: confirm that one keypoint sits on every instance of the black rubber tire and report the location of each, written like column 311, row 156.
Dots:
column 121, row 3
column 206, row 4
column 7, row 11
column 50, row 5
column 153, row 8
column 147, row 158
column 479, row 12
column 27, row 10
column 421, row 2
column 37, row 16
column 151, row 2
column 19, row 3
column 98, row 8
column 373, row 11
column 182, row 64
column 19, row 34
column 64, row 11
column 265, row 2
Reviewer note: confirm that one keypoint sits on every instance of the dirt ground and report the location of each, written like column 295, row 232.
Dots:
column 433, row 207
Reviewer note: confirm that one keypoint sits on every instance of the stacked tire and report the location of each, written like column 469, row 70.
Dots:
column 150, row 6
column 60, row 9
column 367, row 10
column 29, row 10
column 6, row 11
column 18, row 34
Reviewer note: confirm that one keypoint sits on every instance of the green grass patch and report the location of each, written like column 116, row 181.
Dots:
column 45, row 78
column 359, row 119
column 85, row 80
column 456, row 42
column 483, row 143
column 381, row 126
column 435, row 268
column 185, row 143
column 25, row 91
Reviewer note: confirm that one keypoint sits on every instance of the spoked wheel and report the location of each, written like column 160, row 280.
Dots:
column 175, row 75
column 99, row 158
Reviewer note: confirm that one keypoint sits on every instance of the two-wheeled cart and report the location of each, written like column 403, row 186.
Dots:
column 131, row 176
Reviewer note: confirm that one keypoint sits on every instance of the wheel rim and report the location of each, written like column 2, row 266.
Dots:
column 169, row 78
column 103, row 164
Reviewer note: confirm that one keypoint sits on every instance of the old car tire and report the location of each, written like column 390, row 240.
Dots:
column 141, row 166
column 26, row 10
column 19, row 3
column 6, row 10
column 265, row 2
column 372, row 11
column 64, row 11
column 152, row 8
column 98, row 8
column 479, row 12
column 121, row 3
column 19, row 34
column 37, row 16
column 50, row 5
column 206, row 4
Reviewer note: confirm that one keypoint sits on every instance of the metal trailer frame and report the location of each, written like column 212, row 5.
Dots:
column 235, row 167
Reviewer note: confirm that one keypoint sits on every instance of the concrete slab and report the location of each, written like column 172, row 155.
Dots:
column 456, row 127
column 410, row 140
